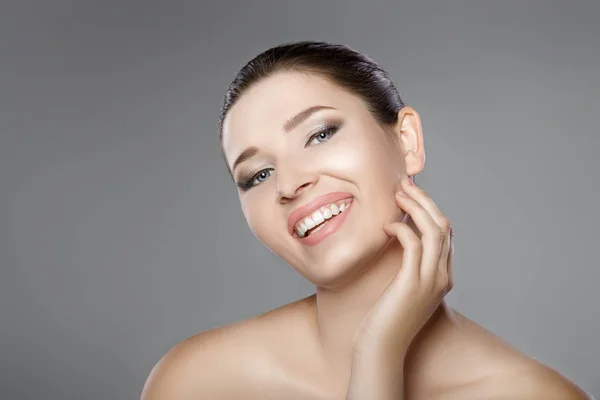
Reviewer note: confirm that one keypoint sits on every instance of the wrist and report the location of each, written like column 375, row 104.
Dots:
column 380, row 355
column 375, row 382
column 376, row 376
column 377, row 365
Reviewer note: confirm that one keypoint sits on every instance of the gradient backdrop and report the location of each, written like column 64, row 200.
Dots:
column 121, row 233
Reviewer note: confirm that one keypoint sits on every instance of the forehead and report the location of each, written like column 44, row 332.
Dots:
column 267, row 105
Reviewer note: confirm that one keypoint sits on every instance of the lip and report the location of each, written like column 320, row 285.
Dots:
column 313, row 205
column 331, row 226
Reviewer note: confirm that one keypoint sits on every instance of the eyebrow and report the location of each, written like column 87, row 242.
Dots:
column 288, row 126
column 246, row 154
column 302, row 116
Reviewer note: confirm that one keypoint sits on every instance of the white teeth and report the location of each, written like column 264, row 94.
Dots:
column 318, row 217
column 334, row 209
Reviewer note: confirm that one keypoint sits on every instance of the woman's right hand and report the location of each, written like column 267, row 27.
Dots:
column 423, row 279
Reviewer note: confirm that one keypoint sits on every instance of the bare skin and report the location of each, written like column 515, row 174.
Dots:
column 277, row 356
column 364, row 301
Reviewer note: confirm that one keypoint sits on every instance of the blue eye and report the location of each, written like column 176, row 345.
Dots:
column 255, row 179
column 322, row 136
column 262, row 176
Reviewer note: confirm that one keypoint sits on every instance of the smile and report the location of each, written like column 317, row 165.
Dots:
column 313, row 222
column 319, row 218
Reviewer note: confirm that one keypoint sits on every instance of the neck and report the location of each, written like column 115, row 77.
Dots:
column 340, row 311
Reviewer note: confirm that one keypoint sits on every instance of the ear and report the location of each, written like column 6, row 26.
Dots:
column 410, row 135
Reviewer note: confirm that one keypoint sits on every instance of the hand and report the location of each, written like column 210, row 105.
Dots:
column 424, row 278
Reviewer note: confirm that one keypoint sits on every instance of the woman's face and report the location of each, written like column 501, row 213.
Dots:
column 338, row 151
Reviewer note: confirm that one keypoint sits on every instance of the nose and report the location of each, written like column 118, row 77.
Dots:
column 293, row 181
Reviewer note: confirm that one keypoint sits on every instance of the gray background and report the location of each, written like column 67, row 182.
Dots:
column 121, row 233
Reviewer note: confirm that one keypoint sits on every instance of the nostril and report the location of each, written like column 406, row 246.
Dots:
column 306, row 185
column 285, row 194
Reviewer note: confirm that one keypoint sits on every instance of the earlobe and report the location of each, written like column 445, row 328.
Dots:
column 411, row 137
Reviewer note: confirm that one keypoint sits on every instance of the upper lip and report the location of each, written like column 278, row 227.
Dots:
column 315, row 204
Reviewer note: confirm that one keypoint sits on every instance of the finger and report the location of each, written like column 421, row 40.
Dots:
column 431, row 234
column 426, row 202
column 450, row 258
column 411, row 259
column 444, row 266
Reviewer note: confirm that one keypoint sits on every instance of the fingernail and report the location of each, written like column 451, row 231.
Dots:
column 402, row 193
column 408, row 181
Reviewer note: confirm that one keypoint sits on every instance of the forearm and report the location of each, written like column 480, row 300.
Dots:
column 376, row 379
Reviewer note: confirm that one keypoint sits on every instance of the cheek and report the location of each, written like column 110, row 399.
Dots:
column 261, row 221
column 375, row 167
column 255, row 215
column 347, row 158
column 366, row 161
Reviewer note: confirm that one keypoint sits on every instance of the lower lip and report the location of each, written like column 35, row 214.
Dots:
column 328, row 229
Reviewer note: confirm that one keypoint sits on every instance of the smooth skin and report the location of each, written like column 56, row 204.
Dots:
column 377, row 327
column 425, row 277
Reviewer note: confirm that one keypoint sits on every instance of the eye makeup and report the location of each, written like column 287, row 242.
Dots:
column 323, row 133
column 330, row 127
column 247, row 181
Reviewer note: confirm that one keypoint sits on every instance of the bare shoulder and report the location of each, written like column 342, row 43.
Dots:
column 230, row 362
column 212, row 364
column 536, row 381
column 490, row 368
column 530, row 381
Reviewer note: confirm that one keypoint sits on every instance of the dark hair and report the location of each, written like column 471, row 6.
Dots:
column 346, row 67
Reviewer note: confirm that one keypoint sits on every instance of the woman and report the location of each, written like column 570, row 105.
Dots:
column 323, row 152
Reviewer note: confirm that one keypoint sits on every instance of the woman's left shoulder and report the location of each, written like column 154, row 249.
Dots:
column 539, row 382
column 531, row 382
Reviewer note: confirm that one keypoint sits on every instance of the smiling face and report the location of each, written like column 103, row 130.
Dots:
column 302, row 137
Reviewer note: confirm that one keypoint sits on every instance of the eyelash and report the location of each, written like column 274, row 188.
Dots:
column 248, row 181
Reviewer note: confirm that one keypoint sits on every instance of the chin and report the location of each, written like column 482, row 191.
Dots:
column 341, row 257
column 342, row 261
